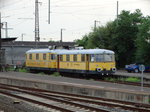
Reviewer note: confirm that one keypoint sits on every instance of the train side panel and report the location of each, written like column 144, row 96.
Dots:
column 102, row 67
column 41, row 61
column 72, row 63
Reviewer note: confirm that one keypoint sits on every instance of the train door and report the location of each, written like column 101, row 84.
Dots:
column 58, row 63
column 87, row 62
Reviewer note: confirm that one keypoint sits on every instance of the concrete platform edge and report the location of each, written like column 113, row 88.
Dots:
column 123, row 95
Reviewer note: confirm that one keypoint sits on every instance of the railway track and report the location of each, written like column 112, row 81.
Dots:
column 52, row 102
column 126, row 83
column 71, row 102
column 102, row 80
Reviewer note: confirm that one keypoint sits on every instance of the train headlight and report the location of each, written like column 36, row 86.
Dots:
column 113, row 69
column 98, row 69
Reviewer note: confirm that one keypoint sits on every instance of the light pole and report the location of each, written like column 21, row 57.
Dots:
column 49, row 11
column 95, row 24
column 6, row 29
column 22, row 36
column 37, row 30
column 141, row 69
column 61, row 35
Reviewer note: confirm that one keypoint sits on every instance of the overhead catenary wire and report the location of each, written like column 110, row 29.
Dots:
column 77, row 11
column 12, row 3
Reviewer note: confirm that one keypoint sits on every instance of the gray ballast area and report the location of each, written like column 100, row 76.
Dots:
column 77, row 86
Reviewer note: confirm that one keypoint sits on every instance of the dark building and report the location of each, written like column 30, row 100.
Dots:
column 15, row 50
column 2, row 51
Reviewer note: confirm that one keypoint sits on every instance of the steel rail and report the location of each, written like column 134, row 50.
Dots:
column 36, row 102
column 83, row 96
column 109, row 104
column 58, row 100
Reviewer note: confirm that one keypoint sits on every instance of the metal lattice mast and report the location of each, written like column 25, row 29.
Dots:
column 0, row 32
column 37, row 35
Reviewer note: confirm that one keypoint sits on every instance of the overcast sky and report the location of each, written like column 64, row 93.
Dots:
column 75, row 16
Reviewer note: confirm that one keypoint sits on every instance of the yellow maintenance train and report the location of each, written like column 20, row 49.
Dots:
column 83, row 61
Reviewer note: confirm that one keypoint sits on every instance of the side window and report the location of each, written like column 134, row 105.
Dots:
column 49, row 56
column 67, row 57
column 108, row 57
column 82, row 57
column 44, row 56
column 99, row 58
column 61, row 57
column 37, row 56
column 53, row 57
column 92, row 58
column 75, row 57
column 30, row 56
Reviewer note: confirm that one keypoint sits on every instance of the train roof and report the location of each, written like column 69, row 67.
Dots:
column 65, row 51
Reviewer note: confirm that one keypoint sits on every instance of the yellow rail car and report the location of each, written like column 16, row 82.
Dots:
column 41, row 59
column 87, row 61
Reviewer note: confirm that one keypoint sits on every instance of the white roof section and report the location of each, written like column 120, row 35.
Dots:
column 64, row 51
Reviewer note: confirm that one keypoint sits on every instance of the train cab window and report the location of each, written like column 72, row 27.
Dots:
column 61, row 57
column 53, row 57
column 67, row 57
column 82, row 57
column 108, row 57
column 75, row 57
column 26, row 56
column 113, row 57
column 37, row 56
column 30, row 56
column 92, row 58
column 44, row 56
column 99, row 57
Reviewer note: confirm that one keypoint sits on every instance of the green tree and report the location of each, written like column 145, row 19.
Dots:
column 125, row 35
column 143, row 42
column 83, row 41
column 98, row 38
column 119, row 35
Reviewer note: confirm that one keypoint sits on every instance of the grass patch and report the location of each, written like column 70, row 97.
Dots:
column 133, row 79
column 17, row 70
column 129, row 79
column 56, row 74
column 41, row 73
column 110, row 79
column 10, row 69
column 23, row 70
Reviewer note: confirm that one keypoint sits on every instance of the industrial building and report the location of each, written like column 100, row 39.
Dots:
column 15, row 50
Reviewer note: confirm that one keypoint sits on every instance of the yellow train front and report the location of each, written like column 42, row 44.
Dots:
column 84, row 61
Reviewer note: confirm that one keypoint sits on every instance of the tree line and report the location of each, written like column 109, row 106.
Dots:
column 128, row 36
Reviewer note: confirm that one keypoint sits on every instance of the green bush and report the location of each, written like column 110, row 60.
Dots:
column 122, row 79
column 56, row 74
column 23, row 70
column 41, row 73
column 110, row 79
column 107, row 79
column 133, row 79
